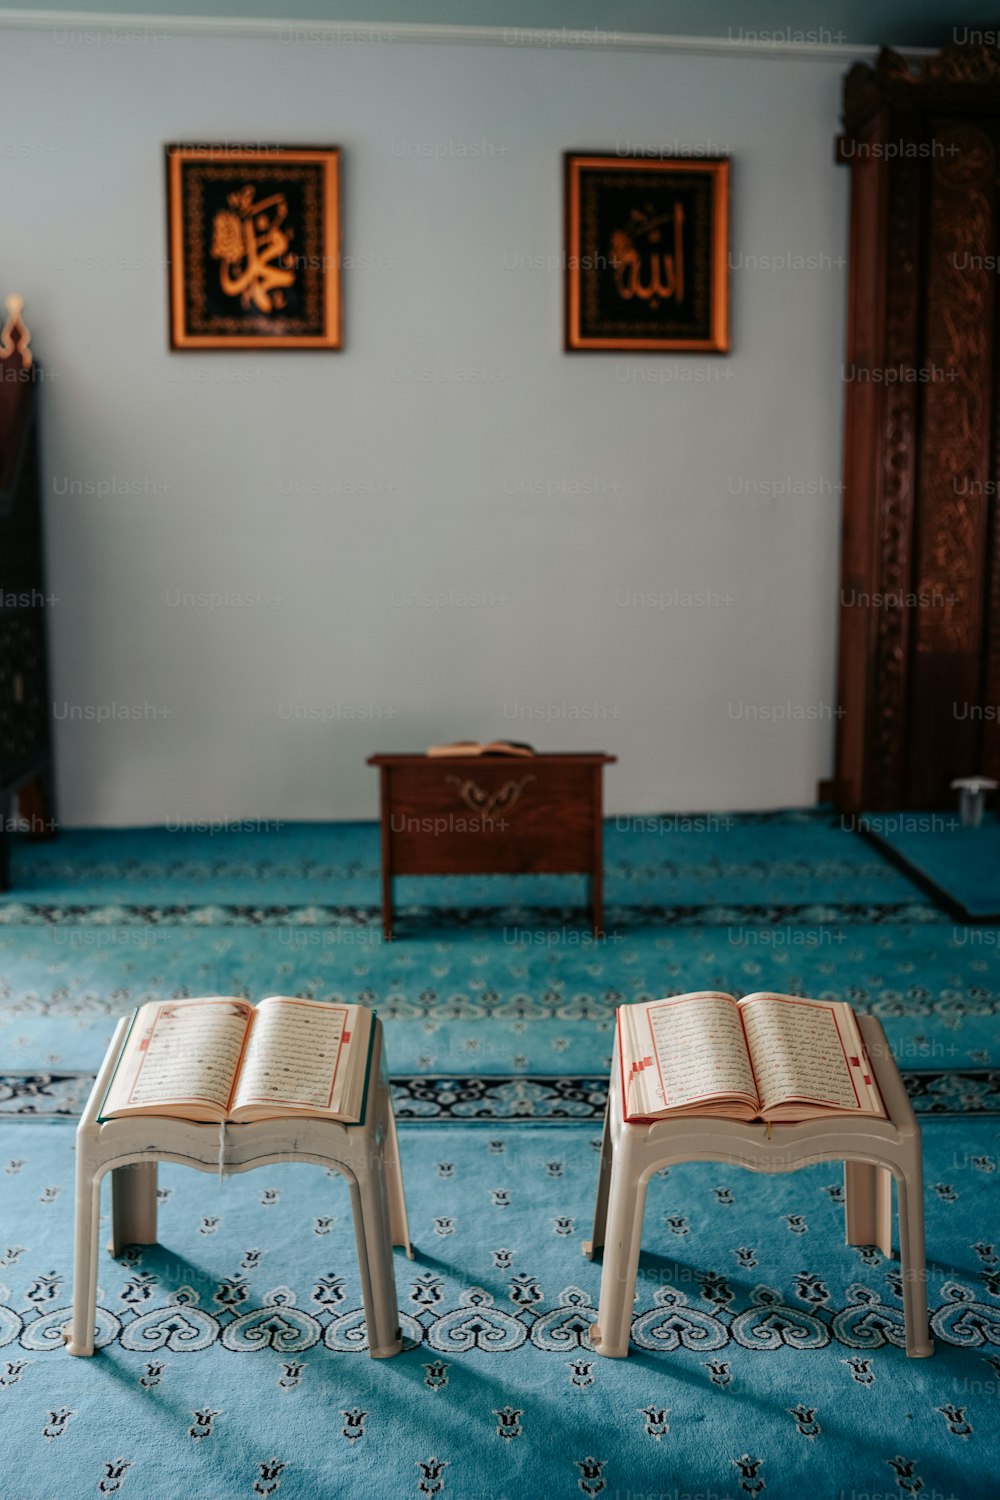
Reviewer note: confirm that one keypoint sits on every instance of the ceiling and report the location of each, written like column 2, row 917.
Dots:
column 846, row 23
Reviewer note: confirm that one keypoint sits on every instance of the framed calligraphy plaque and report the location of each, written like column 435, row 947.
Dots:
column 647, row 243
column 254, row 247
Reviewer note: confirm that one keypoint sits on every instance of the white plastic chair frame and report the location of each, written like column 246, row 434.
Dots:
column 873, row 1151
column 366, row 1154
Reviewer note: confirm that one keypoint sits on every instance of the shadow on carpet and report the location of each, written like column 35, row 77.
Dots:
column 766, row 1354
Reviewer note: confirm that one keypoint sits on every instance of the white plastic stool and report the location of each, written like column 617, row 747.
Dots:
column 873, row 1153
column 366, row 1154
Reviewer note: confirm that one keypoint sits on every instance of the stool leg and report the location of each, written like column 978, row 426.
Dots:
column 868, row 1205
column 626, row 1204
column 378, row 1283
column 883, row 1210
column 399, row 1227
column 591, row 1246
column 80, row 1335
column 910, row 1196
column 133, row 1206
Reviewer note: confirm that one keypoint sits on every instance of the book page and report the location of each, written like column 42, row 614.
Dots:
column 697, row 1049
column 181, row 1051
column 797, row 1052
column 293, row 1056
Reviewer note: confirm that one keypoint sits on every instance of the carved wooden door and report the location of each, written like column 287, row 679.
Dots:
column 920, row 599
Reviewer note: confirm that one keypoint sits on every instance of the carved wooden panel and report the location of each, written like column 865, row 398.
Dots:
column 895, row 529
column 24, row 709
column 954, row 462
column 962, row 78
column 931, row 664
column 20, row 526
column 990, row 747
column 25, row 706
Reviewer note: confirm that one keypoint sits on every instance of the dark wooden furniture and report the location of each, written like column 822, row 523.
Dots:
column 504, row 815
column 919, row 668
column 25, row 704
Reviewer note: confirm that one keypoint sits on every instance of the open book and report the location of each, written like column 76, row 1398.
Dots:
column 765, row 1057
column 476, row 747
column 222, row 1059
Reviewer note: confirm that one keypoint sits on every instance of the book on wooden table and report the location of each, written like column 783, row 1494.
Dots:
column 221, row 1059
column 765, row 1057
column 477, row 747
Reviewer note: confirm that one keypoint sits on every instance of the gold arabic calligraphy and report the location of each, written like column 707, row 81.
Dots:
column 251, row 246
column 640, row 245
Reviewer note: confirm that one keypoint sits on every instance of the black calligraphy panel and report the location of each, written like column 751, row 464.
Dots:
column 254, row 248
column 646, row 254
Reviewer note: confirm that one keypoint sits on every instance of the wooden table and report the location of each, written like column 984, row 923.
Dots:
column 486, row 815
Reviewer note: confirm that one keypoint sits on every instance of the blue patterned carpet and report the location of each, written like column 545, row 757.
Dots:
column 962, row 864
column 766, row 1353
column 780, row 858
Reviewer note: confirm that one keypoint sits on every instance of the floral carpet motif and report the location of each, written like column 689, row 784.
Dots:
column 766, row 1354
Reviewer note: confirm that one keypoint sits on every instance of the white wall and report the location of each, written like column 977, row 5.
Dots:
column 251, row 464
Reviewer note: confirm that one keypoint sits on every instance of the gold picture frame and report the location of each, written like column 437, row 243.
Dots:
column 647, row 246
column 254, row 237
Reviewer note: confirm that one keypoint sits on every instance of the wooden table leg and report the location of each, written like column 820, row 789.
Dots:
column 387, row 907
column 385, row 800
column 597, row 868
column 6, row 820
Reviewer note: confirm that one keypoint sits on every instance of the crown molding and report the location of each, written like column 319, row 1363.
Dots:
column 787, row 43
